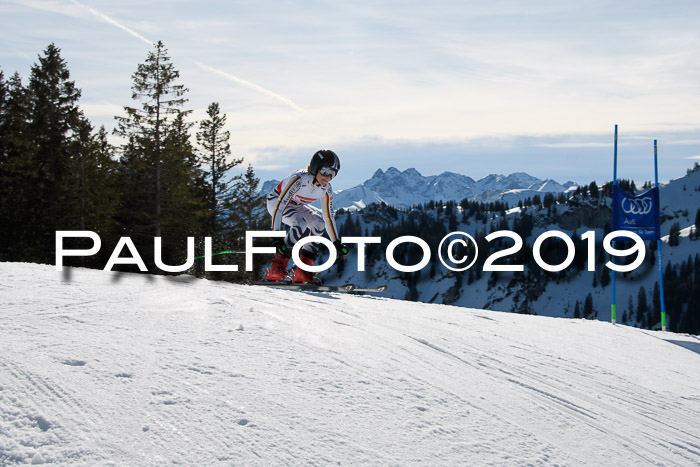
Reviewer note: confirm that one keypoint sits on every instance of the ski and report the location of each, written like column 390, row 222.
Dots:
column 379, row 288
column 307, row 287
column 321, row 288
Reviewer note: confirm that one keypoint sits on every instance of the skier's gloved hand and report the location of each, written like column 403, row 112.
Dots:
column 341, row 249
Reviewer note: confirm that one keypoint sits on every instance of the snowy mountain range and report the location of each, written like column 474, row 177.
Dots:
column 680, row 200
column 410, row 187
column 103, row 368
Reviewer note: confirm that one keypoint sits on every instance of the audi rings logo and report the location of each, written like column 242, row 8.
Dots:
column 637, row 206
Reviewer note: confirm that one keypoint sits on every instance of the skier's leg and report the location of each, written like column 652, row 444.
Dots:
column 301, row 219
column 304, row 221
column 278, row 268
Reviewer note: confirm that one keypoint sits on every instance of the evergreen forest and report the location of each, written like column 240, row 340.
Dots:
column 166, row 179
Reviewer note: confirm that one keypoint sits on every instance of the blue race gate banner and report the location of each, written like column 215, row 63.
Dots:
column 638, row 214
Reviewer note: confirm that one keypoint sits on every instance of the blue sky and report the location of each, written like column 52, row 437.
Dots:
column 472, row 87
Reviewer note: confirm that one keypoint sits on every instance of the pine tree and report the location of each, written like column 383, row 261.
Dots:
column 4, row 165
column 51, row 116
column 85, row 158
column 3, row 118
column 452, row 221
column 55, row 175
column 691, row 320
column 674, row 234
column 247, row 208
column 629, row 312
column 183, row 184
column 158, row 168
column 594, row 191
column 154, row 83
column 91, row 193
column 655, row 312
column 588, row 306
column 642, row 306
column 16, row 167
column 215, row 154
column 605, row 277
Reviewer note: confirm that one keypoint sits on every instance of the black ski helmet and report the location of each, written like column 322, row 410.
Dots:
column 324, row 158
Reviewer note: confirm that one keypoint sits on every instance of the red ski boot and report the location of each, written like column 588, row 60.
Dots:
column 278, row 269
column 304, row 276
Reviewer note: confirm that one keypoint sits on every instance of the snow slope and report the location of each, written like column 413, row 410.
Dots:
column 99, row 368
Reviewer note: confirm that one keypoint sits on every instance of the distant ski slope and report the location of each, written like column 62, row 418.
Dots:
column 141, row 370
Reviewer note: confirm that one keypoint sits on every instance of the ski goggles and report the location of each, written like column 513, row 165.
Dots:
column 328, row 172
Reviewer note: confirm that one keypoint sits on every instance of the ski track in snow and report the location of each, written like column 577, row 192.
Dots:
column 102, row 368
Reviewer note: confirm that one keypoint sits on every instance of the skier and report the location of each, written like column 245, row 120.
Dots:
column 287, row 204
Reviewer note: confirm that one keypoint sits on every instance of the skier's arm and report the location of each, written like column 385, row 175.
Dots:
column 287, row 192
column 328, row 216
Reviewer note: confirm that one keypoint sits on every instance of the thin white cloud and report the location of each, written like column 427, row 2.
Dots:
column 52, row 7
column 574, row 145
column 501, row 77
column 243, row 82
column 228, row 76
column 106, row 18
column 693, row 157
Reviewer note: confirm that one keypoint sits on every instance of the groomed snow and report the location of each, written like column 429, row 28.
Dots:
column 101, row 368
